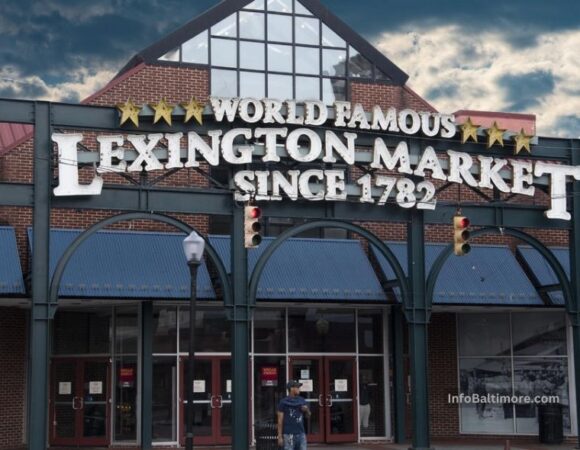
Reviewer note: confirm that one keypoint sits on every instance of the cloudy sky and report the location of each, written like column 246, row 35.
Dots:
column 509, row 55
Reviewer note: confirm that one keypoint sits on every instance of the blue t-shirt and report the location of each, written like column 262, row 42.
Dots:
column 293, row 415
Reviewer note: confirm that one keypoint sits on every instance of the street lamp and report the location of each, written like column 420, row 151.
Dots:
column 193, row 246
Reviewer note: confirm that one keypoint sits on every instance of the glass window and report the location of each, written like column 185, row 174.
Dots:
column 164, row 399
column 269, row 331
column 126, row 379
column 256, row 4
column 370, row 332
column 540, row 377
column 212, row 330
column 307, row 88
column 227, row 27
column 300, row 9
column 484, row 335
column 269, row 386
column 307, row 31
column 279, row 58
column 284, row 6
column 252, row 85
column 280, row 87
column 82, row 332
column 482, row 377
column 321, row 330
column 381, row 76
column 371, row 397
column 331, row 39
column 334, row 63
column 358, row 65
column 172, row 55
column 539, row 334
column 279, row 28
column 126, row 330
column 224, row 83
column 333, row 90
column 252, row 55
column 252, row 25
column 165, row 330
column 308, row 60
column 224, row 52
column 196, row 49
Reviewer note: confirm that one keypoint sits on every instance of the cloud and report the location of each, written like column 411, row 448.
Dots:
column 485, row 71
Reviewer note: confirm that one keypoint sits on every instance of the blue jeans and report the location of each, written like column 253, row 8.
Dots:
column 294, row 442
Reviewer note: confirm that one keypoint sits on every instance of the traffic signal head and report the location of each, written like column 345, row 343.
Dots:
column 252, row 226
column 461, row 235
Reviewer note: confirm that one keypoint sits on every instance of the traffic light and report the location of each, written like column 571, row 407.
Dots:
column 462, row 235
column 252, row 226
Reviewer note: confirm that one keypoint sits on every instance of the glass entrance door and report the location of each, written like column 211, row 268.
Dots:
column 330, row 390
column 212, row 400
column 80, row 402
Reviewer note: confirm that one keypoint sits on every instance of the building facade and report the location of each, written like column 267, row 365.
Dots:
column 328, row 307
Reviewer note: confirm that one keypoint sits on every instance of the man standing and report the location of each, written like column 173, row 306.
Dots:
column 291, row 412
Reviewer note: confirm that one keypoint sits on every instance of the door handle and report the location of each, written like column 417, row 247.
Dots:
column 211, row 402
column 220, row 400
column 320, row 401
column 74, row 403
column 329, row 401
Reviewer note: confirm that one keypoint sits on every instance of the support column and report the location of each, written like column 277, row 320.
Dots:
column 399, row 375
column 41, row 310
column 418, row 311
column 146, row 375
column 240, row 317
column 573, row 306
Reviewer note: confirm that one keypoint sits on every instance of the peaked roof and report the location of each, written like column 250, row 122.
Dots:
column 227, row 7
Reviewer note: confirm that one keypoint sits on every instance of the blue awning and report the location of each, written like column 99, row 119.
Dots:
column 489, row 275
column 123, row 264
column 542, row 270
column 312, row 269
column 11, row 281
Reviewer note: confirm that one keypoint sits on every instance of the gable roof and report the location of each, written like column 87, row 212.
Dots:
column 151, row 54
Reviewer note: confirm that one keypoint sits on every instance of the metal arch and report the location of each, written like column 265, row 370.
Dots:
column 72, row 248
column 385, row 251
column 535, row 243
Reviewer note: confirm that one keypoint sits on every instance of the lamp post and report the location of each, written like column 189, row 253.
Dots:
column 193, row 246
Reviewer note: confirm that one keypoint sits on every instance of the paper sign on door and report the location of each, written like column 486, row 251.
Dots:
column 65, row 388
column 95, row 387
column 198, row 386
column 340, row 385
column 307, row 386
column 305, row 374
column 228, row 386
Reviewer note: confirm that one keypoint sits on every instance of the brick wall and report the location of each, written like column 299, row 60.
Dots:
column 13, row 351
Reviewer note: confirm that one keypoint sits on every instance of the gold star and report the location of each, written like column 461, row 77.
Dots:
column 129, row 111
column 468, row 131
column 193, row 109
column 163, row 111
column 523, row 142
column 495, row 135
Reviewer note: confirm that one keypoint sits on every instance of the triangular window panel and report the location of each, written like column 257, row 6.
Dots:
column 281, row 6
column 172, row 55
column 331, row 39
column 358, row 65
column 299, row 8
column 227, row 27
column 256, row 4
column 196, row 49
column 381, row 76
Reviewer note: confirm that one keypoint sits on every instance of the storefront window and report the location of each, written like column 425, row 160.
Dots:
column 269, row 386
column 518, row 354
column 269, row 331
column 370, row 332
column 82, row 332
column 372, row 396
column 165, row 330
column 212, row 330
column 126, row 373
column 321, row 330
column 164, row 399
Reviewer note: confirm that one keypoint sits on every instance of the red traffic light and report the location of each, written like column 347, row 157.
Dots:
column 255, row 213
column 464, row 222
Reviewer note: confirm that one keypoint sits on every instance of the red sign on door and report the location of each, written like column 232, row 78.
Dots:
column 269, row 376
column 127, row 376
